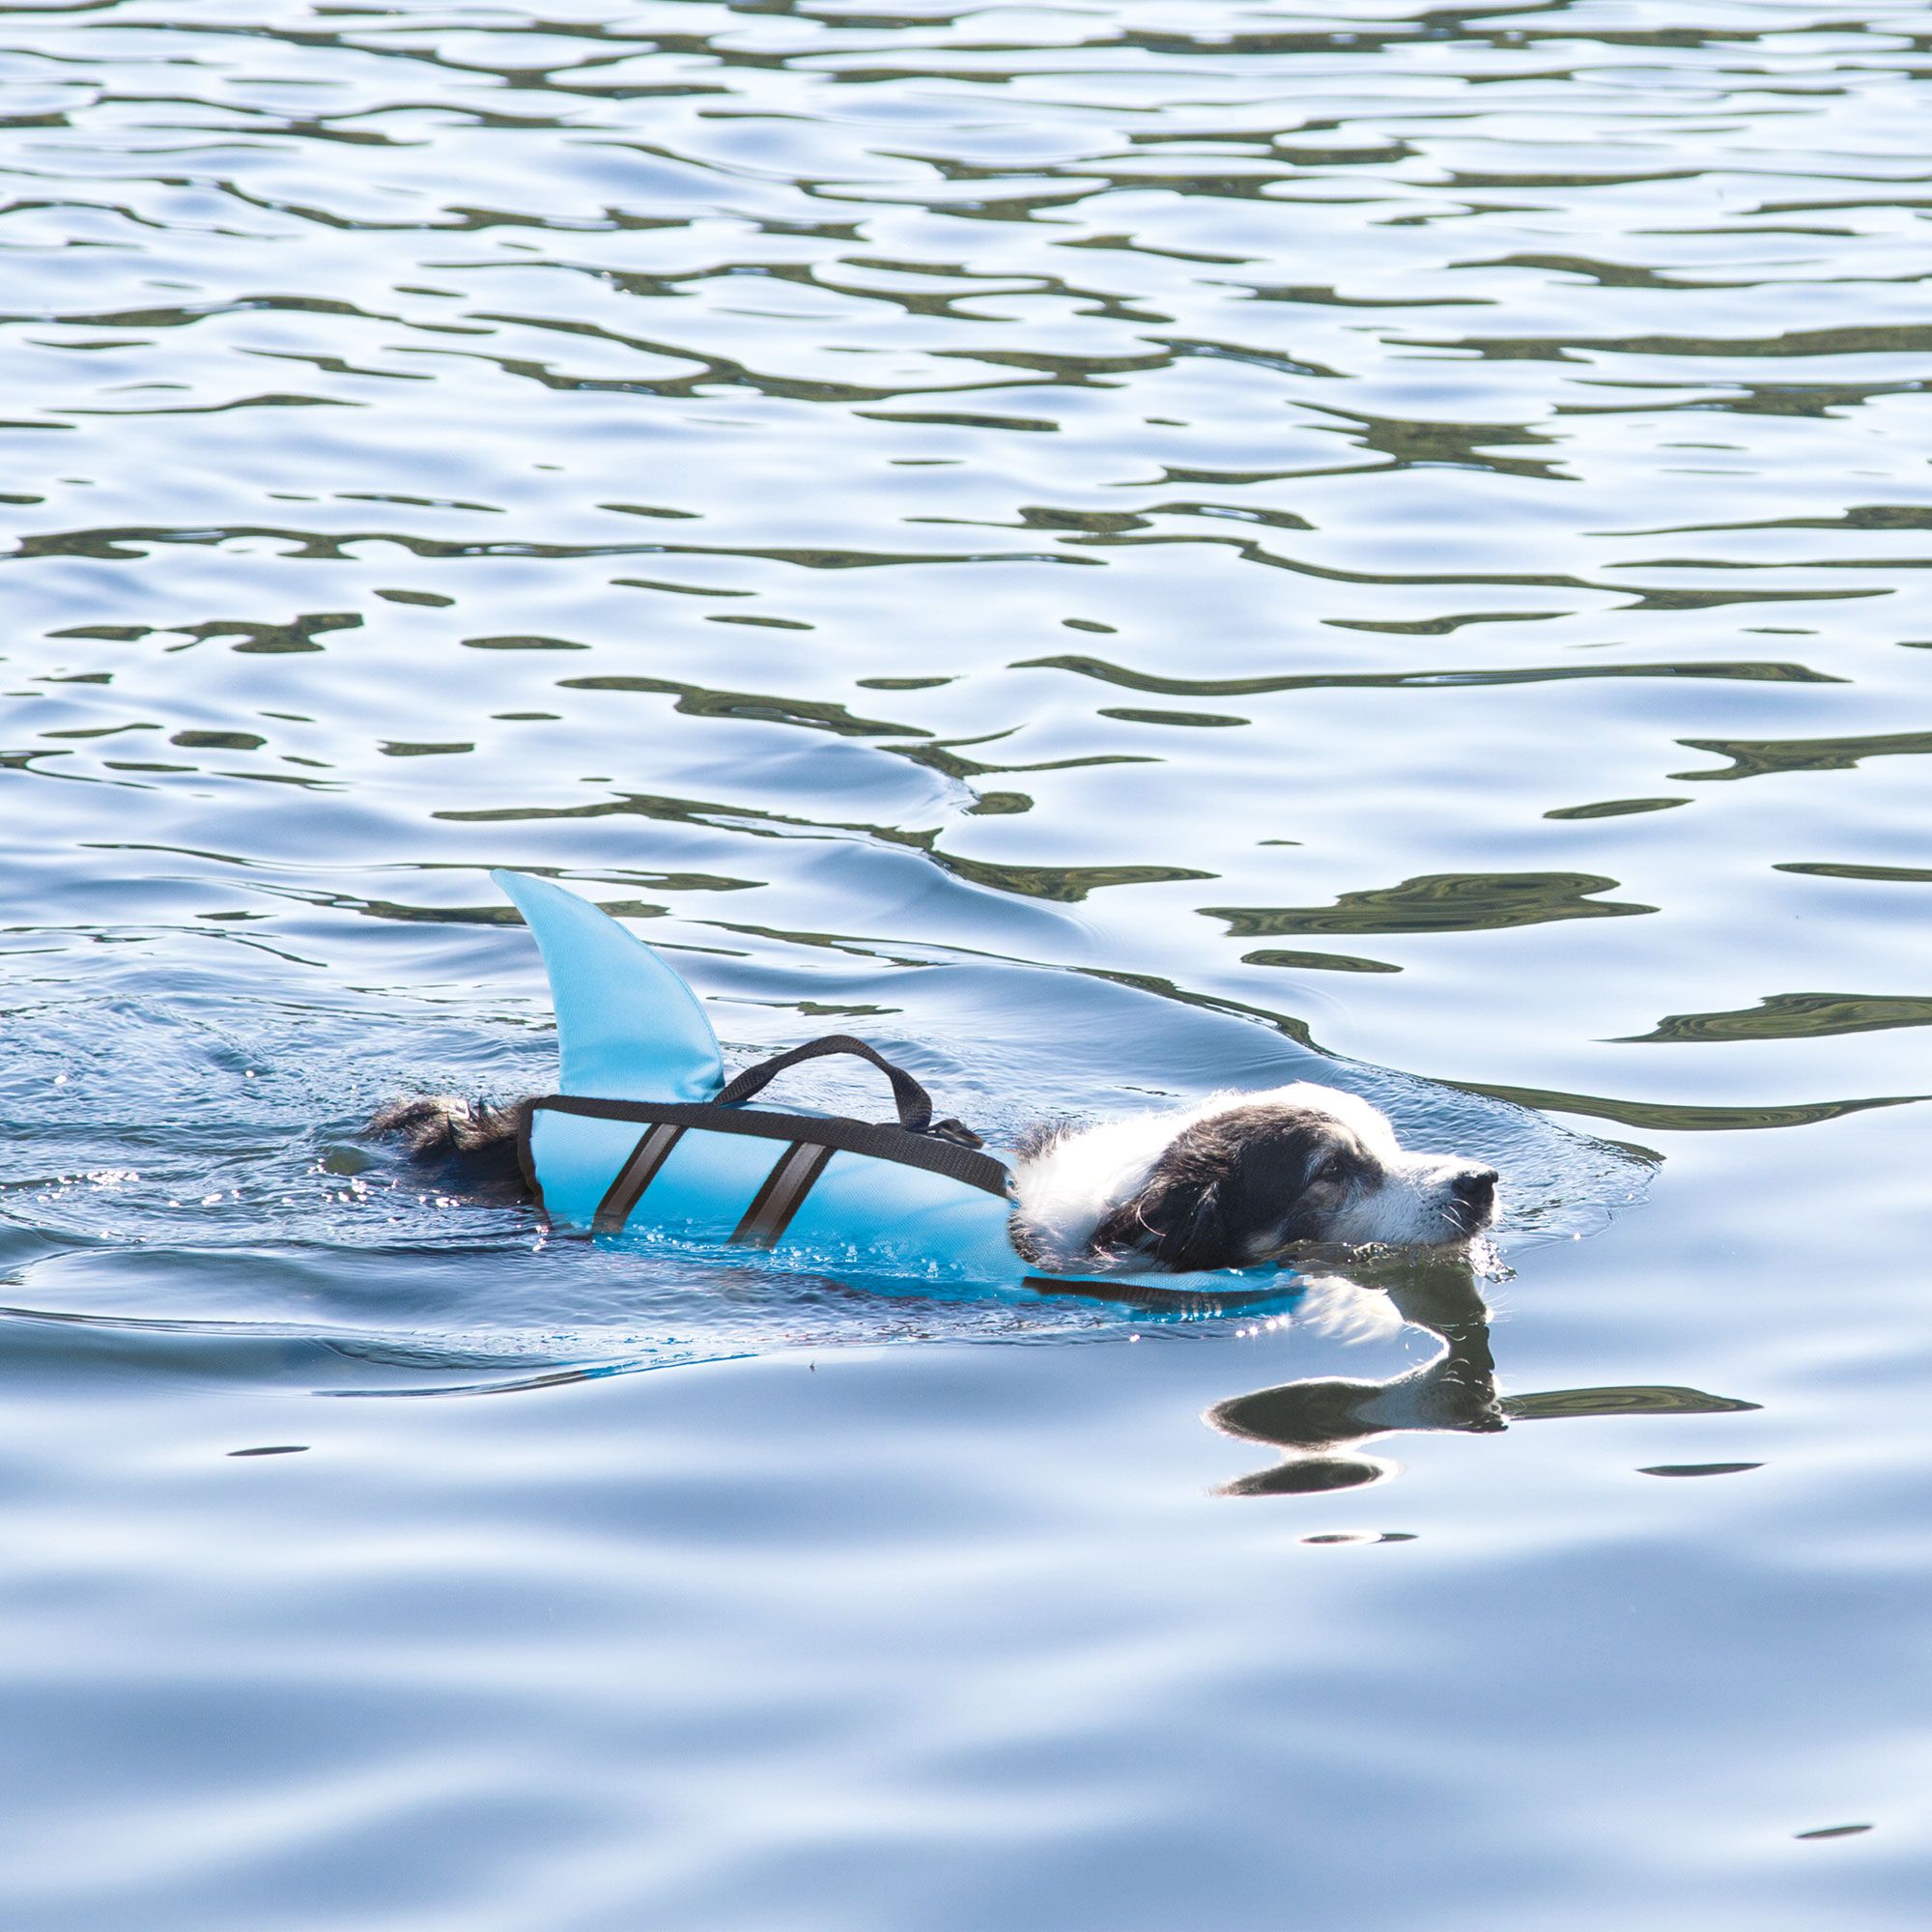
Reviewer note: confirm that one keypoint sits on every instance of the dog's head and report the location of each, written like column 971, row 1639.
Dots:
column 1243, row 1182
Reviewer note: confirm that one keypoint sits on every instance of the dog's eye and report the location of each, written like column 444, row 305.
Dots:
column 1330, row 1169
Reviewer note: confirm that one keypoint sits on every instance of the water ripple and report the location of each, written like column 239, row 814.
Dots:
column 1121, row 550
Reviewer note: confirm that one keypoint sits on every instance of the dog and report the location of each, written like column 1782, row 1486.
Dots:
column 1237, row 1181
column 1233, row 1182
column 469, row 1146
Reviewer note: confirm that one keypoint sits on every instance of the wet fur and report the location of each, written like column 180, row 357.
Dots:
column 1227, row 1188
column 469, row 1146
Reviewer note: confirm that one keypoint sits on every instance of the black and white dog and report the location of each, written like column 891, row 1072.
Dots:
column 1235, row 1180
column 1230, row 1183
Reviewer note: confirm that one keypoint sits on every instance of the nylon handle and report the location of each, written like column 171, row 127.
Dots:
column 914, row 1102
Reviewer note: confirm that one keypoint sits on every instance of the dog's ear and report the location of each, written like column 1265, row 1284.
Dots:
column 1178, row 1220
column 1227, row 1190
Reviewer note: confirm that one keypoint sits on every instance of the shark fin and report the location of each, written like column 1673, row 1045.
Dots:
column 628, row 1027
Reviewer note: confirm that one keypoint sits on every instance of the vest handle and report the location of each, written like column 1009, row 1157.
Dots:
column 914, row 1102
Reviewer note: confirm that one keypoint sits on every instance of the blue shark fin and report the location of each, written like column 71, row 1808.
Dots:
column 628, row 1027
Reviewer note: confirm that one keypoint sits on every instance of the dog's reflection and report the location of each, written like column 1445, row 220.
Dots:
column 1322, row 1422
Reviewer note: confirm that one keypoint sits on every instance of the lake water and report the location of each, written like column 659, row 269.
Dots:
column 1114, row 549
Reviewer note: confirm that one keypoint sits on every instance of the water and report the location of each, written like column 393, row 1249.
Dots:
column 1115, row 550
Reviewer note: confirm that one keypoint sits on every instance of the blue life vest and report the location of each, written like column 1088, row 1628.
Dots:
column 649, row 1140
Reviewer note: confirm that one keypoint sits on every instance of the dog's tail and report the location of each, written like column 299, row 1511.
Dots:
column 473, row 1143
column 431, row 1125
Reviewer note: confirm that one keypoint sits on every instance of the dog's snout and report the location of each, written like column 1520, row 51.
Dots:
column 1476, row 1185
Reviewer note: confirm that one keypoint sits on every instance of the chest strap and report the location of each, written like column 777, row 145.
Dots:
column 879, row 1141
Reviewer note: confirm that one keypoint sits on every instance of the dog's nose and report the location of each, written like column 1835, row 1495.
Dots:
column 1476, row 1185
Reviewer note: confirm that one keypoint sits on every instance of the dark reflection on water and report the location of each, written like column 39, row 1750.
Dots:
column 1803, row 754
column 1656, row 1115
column 1795, row 1016
column 1481, row 902
column 1638, row 1401
column 1700, row 1469
column 1123, row 550
column 1420, row 680
column 1322, row 1422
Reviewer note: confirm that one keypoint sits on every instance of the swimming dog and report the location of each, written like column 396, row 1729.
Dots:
column 1232, row 1181
column 1237, row 1181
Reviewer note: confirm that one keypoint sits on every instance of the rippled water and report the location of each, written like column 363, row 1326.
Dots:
column 1114, row 549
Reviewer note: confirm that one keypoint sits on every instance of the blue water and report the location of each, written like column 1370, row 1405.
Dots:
column 1114, row 551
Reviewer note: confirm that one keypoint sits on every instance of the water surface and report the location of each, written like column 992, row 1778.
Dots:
column 1115, row 550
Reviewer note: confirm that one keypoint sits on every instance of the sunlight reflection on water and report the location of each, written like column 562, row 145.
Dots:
column 1116, row 553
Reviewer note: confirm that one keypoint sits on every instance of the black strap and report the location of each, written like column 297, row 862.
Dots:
column 780, row 1196
column 882, row 1141
column 638, row 1171
column 914, row 1102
